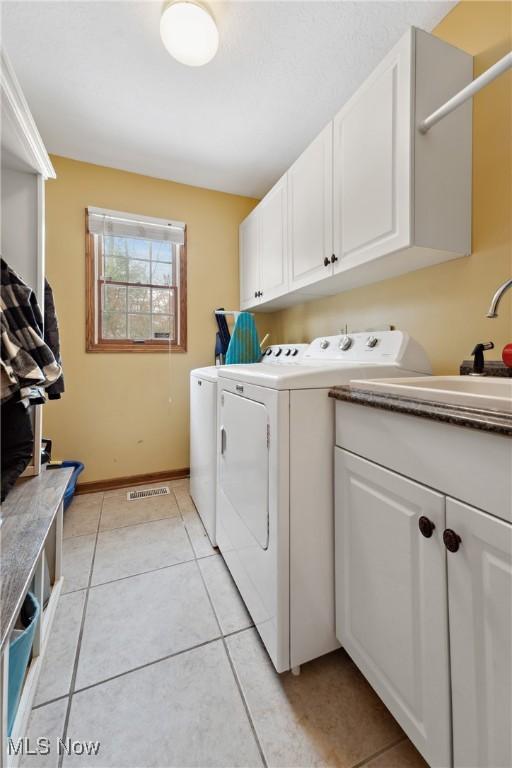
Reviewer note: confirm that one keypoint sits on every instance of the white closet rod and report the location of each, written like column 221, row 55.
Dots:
column 484, row 79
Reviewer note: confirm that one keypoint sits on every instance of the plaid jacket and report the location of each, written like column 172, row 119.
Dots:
column 52, row 338
column 27, row 363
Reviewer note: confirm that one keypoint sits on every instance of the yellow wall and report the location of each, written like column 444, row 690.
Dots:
column 444, row 306
column 126, row 414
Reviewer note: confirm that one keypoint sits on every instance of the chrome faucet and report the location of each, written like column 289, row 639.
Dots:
column 493, row 309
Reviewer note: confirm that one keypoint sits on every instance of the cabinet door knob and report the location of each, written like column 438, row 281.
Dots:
column 326, row 262
column 451, row 540
column 334, row 258
column 426, row 527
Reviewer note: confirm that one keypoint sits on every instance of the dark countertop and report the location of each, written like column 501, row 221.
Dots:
column 27, row 515
column 499, row 422
column 491, row 368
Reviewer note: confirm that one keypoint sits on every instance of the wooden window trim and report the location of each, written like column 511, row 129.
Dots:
column 93, row 299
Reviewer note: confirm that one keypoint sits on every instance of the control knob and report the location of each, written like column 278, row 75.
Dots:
column 269, row 351
column 278, row 352
column 288, row 352
column 345, row 343
column 295, row 352
column 372, row 341
column 324, row 344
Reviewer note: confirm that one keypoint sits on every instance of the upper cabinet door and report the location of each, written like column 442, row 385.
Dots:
column 391, row 606
column 372, row 166
column 273, row 242
column 249, row 261
column 480, row 600
column 310, row 213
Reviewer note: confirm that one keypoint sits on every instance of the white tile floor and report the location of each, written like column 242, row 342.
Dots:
column 153, row 655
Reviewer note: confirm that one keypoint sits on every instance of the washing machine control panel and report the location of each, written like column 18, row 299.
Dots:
column 376, row 347
column 379, row 346
column 284, row 354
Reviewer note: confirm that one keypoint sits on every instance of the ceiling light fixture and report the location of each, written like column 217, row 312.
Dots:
column 189, row 32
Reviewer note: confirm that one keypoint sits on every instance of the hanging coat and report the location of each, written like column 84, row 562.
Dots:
column 51, row 337
column 28, row 364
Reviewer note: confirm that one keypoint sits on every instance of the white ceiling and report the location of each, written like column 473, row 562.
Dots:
column 103, row 89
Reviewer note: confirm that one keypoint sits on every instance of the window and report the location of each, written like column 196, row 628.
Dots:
column 136, row 283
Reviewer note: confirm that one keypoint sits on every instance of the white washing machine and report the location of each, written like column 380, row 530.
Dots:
column 203, row 445
column 275, row 505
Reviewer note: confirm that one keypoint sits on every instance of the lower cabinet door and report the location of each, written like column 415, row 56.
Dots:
column 391, row 596
column 480, row 602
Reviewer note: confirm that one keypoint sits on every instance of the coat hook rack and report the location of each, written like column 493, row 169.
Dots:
column 470, row 90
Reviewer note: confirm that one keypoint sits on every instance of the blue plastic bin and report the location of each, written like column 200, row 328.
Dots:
column 70, row 489
column 19, row 654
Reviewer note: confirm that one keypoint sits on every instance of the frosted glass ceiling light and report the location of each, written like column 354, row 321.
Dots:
column 189, row 32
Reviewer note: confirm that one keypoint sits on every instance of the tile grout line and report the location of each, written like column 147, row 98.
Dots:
column 139, row 573
column 143, row 666
column 196, row 557
column 133, row 575
column 134, row 525
column 50, row 701
column 79, row 640
column 379, row 752
column 121, row 527
column 230, row 661
column 142, row 573
column 240, row 690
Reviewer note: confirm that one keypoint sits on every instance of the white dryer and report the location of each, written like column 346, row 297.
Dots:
column 203, row 444
column 275, row 487
column 203, row 434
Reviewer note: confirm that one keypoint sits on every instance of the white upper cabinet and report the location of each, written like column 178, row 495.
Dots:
column 249, row 261
column 372, row 150
column 273, row 237
column 263, row 249
column 402, row 200
column 480, row 600
column 310, row 213
column 372, row 197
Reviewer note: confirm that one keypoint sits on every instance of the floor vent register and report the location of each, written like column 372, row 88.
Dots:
column 145, row 492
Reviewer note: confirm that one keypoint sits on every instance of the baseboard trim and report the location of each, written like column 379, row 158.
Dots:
column 96, row 486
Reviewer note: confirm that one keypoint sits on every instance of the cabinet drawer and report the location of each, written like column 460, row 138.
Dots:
column 468, row 464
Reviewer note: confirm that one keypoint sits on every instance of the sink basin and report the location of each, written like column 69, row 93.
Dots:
column 489, row 392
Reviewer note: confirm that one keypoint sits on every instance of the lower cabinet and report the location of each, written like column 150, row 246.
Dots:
column 424, row 608
column 480, row 607
column 391, row 612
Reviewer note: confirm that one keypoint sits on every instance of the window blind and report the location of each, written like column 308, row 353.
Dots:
column 104, row 222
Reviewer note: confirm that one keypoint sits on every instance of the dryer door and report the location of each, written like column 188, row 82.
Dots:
column 244, row 462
